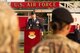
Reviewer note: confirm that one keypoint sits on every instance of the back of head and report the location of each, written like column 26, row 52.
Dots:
column 60, row 18
column 8, row 27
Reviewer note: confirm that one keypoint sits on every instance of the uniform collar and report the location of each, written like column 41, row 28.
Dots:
column 53, row 36
column 34, row 19
column 60, row 35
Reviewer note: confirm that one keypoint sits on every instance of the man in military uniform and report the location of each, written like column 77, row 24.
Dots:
column 34, row 22
column 58, row 42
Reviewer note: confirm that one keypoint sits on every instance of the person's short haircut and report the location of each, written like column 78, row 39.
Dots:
column 60, row 18
column 62, row 14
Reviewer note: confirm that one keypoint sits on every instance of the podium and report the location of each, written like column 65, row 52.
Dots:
column 31, row 38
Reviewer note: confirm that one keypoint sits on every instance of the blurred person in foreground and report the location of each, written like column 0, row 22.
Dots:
column 9, row 30
column 58, row 42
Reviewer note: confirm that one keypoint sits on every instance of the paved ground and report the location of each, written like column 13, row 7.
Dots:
column 21, row 40
column 21, row 49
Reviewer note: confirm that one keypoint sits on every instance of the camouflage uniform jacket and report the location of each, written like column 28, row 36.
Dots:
column 58, row 44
